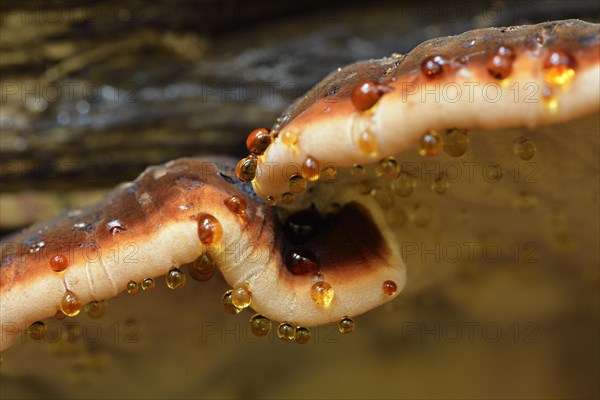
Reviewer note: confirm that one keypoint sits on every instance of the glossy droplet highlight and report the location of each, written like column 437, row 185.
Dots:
column 500, row 64
column 297, row 184
column 301, row 261
column 270, row 201
column 258, row 141
column 346, row 325
column 37, row 330
column 357, row 171
column 367, row 94
column 175, row 279
column 260, row 325
column 59, row 263
column 209, row 229
column 367, row 143
column 148, row 284
column 310, row 169
column 115, row 227
column 440, row 185
column 430, row 143
column 433, row 66
column 302, row 335
column 524, row 148
column 236, row 204
column 70, row 305
column 241, row 297
column 289, row 138
column 456, row 142
column 322, row 294
column 132, row 287
column 390, row 288
column 286, row 331
column 559, row 68
column 202, row 269
column 228, row 303
column 387, row 169
column 245, row 170
column 287, row 198
column 95, row 309
column 404, row 185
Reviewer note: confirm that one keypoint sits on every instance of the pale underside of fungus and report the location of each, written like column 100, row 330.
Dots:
column 489, row 138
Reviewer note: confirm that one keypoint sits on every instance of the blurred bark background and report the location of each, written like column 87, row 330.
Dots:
column 93, row 92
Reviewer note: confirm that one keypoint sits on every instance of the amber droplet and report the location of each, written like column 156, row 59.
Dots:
column 524, row 148
column 346, row 325
column 430, row 144
column 559, row 68
column 132, row 287
column 241, row 297
column 456, row 142
column 390, row 288
column 322, row 294
column 301, row 261
column 289, row 138
column 433, row 66
column 227, row 303
column 95, row 309
column 287, row 198
column 286, row 331
column 357, row 171
column 500, row 64
column 297, row 184
column 236, row 204
column 270, row 201
column 258, row 141
column 59, row 263
column 302, row 335
column 37, row 330
column 175, row 279
column 202, row 269
column 367, row 143
column 387, row 169
column 70, row 304
column 440, row 185
column 260, row 325
column 245, row 170
column 209, row 229
column 329, row 173
column 310, row 169
column 367, row 94
column 148, row 284
column 404, row 185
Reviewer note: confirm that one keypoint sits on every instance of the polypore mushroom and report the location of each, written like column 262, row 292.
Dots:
column 352, row 191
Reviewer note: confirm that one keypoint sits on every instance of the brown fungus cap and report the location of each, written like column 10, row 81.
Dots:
column 487, row 79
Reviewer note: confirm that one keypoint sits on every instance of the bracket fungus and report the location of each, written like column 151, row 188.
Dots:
column 482, row 136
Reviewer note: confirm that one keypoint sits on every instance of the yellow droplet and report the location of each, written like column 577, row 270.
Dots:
column 404, row 185
column 228, row 303
column 357, row 171
column 175, row 279
column 524, row 148
column 440, row 185
column 270, row 201
column 346, row 325
column 147, row 284
column 310, row 169
column 37, row 330
column 302, row 335
column 289, row 138
column 526, row 202
column 260, row 325
column 95, row 309
column 241, row 296
column 297, row 184
column 367, row 143
column 322, row 294
column 329, row 173
column 70, row 304
column 287, row 198
column 559, row 68
column 430, row 144
column 202, row 269
column 387, row 169
column 456, row 142
column 286, row 331
column 132, row 287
